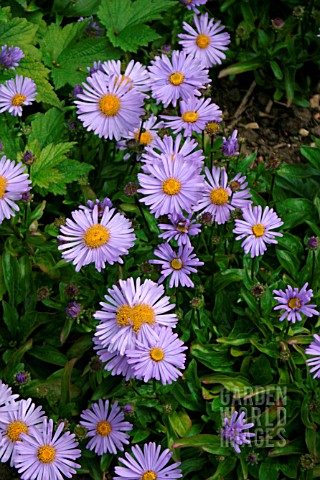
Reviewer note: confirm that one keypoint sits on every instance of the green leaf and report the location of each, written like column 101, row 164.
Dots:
column 47, row 127
column 231, row 382
column 269, row 470
column 74, row 60
column 180, row 422
column 289, row 81
column 18, row 32
column 311, row 154
column 276, row 70
column 289, row 261
column 72, row 170
column 10, row 317
column 125, row 21
column 82, row 8
column 12, row 144
column 208, row 443
column 49, row 354
column 261, row 370
column 241, row 67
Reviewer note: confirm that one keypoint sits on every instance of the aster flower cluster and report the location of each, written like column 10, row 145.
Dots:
column 134, row 336
column 30, row 443
column 234, row 431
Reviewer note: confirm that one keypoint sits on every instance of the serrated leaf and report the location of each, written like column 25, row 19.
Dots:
column 47, row 127
column 44, row 173
column 18, row 32
column 72, row 170
column 11, row 142
column 125, row 21
column 73, row 60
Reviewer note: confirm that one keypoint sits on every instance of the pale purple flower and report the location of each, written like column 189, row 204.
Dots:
column 77, row 89
column 189, row 151
column 257, row 229
column 130, row 313
column 149, row 464
column 170, row 186
column 231, row 145
column 109, row 107
column 179, row 77
column 15, row 423
column 314, row 362
column 193, row 4
column 180, row 228
column 10, row 57
column 294, row 301
column 14, row 182
column 206, row 42
column 115, row 363
column 195, row 113
column 234, row 431
column 15, row 93
column 102, row 204
column 219, row 199
column 178, row 265
column 86, row 240
column 159, row 358
column 97, row 67
column 7, row 398
column 47, row 455
column 146, row 138
column 135, row 74
column 73, row 310
column 105, row 427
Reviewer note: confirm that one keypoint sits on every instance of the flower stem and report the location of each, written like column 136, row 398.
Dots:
column 313, row 267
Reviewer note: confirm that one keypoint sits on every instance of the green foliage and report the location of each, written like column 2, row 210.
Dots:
column 126, row 20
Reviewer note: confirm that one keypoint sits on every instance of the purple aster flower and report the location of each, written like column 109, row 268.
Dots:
column 97, row 67
column 230, row 147
column 114, row 362
column 313, row 243
column 172, row 147
column 106, row 202
column 71, row 290
column 159, row 358
column 106, row 428
column 135, row 72
column 86, row 240
column 130, row 313
column 146, row 138
column 314, row 350
column 13, row 183
column 22, row 377
column 175, row 78
column 256, row 229
column 16, row 422
column 77, row 89
column 177, row 265
column 218, row 198
column 7, row 398
column 193, row 4
column 180, row 229
column 294, row 301
column 47, row 455
column 109, row 107
column 207, row 42
column 10, row 57
column 73, row 310
column 170, row 186
column 148, row 464
column 234, row 431
column 15, row 93
column 92, row 29
column 195, row 114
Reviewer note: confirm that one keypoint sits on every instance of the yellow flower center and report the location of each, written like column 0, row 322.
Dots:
column 258, row 230
column 135, row 316
column 17, row 99
column 46, row 454
column 96, row 236
column 14, row 430
column 176, row 264
column 171, row 186
column 219, row 196
column 104, row 428
column 294, row 303
column 203, row 41
column 109, row 105
column 156, row 354
column 145, row 137
column 3, row 185
column 176, row 78
column 190, row 117
column 182, row 227
column 149, row 475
